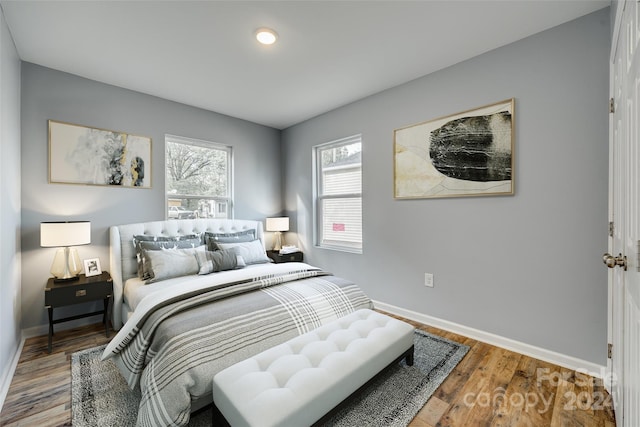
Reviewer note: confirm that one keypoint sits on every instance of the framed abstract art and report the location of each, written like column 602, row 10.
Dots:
column 464, row 154
column 92, row 156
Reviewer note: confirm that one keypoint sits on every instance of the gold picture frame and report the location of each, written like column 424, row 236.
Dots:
column 465, row 154
column 92, row 156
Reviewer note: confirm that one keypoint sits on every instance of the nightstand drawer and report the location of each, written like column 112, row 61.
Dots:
column 292, row 257
column 77, row 294
column 58, row 294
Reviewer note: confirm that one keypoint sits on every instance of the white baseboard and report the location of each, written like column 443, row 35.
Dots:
column 35, row 331
column 7, row 376
column 570, row 362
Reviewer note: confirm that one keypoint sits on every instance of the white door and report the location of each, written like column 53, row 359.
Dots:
column 624, row 212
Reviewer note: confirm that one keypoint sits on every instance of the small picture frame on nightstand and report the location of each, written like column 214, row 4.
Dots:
column 92, row 267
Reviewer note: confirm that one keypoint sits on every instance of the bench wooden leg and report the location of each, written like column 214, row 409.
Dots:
column 217, row 419
column 408, row 356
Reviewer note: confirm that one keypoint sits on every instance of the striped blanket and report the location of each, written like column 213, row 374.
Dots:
column 174, row 346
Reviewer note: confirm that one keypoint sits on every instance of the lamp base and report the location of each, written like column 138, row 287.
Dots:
column 277, row 245
column 66, row 265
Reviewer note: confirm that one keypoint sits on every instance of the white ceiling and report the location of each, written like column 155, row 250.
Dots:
column 329, row 53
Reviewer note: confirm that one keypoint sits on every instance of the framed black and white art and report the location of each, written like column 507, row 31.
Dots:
column 92, row 267
column 464, row 154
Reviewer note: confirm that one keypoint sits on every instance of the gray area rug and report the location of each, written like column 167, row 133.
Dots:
column 101, row 397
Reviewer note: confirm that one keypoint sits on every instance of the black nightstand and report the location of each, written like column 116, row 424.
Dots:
column 85, row 289
column 292, row 257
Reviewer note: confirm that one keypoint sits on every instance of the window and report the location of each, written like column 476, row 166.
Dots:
column 198, row 178
column 338, row 194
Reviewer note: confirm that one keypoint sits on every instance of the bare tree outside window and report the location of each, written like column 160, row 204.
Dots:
column 198, row 179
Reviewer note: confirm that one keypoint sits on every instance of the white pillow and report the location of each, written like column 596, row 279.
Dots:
column 168, row 263
column 252, row 252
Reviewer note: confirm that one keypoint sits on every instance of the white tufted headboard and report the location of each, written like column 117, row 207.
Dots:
column 122, row 255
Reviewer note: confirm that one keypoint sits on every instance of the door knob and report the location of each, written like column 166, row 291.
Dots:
column 612, row 261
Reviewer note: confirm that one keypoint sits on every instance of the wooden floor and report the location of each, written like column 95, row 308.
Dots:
column 489, row 387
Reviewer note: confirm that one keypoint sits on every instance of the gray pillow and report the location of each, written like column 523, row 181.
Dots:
column 212, row 239
column 143, row 243
column 168, row 263
column 252, row 252
column 213, row 261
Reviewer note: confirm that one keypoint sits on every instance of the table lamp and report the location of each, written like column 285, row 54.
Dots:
column 278, row 225
column 64, row 234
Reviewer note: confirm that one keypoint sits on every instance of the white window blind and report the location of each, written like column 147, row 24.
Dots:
column 338, row 194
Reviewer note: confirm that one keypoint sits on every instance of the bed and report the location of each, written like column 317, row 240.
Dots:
column 180, row 323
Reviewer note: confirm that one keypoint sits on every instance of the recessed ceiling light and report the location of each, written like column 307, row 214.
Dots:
column 266, row 36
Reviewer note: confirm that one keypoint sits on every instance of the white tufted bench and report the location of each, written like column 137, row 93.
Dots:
column 296, row 383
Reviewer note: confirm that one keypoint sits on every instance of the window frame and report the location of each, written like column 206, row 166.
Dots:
column 319, row 197
column 204, row 144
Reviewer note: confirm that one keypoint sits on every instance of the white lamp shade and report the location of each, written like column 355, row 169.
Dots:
column 278, row 224
column 69, row 233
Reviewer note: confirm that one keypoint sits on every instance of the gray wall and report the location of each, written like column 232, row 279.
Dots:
column 9, row 204
column 49, row 94
column 526, row 267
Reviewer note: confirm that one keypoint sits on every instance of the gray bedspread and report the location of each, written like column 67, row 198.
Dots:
column 178, row 345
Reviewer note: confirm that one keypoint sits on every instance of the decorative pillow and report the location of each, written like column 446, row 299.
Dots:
column 252, row 252
column 168, row 263
column 144, row 243
column 212, row 239
column 213, row 261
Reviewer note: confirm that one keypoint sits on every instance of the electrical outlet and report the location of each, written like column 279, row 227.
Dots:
column 428, row 280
